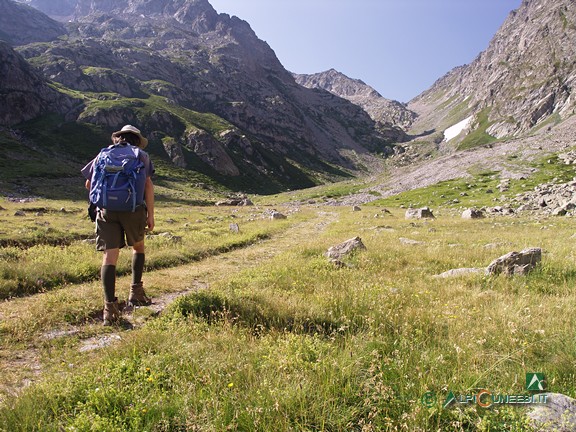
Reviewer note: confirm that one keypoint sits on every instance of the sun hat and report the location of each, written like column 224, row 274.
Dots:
column 135, row 131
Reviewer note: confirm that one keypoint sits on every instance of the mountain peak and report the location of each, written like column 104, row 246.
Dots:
column 383, row 111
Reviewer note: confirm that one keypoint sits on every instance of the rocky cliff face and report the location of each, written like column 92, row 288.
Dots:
column 24, row 93
column 391, row 116
column 158, row 62
column 525, row 77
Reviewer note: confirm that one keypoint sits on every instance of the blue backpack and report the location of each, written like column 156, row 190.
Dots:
column 118, row 179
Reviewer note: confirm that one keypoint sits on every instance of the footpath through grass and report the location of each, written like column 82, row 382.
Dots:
column 279, row 339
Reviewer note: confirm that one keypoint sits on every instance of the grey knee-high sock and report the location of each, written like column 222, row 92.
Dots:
column 137, row 267
column 108, row 276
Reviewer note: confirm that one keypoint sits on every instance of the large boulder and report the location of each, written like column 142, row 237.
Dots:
column 558, row 414
column 515, row 262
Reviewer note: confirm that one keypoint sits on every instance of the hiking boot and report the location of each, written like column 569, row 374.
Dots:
column 111, row 312
column 137, row 296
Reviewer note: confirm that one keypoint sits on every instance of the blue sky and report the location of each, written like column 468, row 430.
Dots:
column 399, row 47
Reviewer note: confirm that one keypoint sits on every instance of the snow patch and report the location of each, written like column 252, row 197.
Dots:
column 454, row 131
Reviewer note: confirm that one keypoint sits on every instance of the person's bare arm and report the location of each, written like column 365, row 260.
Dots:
column 149, row 198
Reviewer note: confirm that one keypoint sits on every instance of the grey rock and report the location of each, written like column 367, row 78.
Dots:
column 165, row 235
column 343, row 249
column 420, row 213
column 235, row 201
column 515, row 262
column 277, row 215
column 460, row 272
column 408, row 241
column 472, row 213
column 558, row 414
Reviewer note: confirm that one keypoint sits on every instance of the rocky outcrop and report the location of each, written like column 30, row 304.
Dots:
column 212, row 152
column 24, row 94
column 524, row 76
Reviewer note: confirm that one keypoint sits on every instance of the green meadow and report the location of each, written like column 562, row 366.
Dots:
column 257, row 331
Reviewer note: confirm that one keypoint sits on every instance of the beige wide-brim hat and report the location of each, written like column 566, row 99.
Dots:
column 135, row 131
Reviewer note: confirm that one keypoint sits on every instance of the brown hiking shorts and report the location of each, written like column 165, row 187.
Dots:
column 115, row 229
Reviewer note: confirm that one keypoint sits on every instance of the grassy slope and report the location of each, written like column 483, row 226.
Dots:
column 282, row 340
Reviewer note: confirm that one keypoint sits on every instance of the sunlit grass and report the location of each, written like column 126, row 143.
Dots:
column 292, row 342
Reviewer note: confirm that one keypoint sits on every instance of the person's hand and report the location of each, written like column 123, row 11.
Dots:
column 150, row 222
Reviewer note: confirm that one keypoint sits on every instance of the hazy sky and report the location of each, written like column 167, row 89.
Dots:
column 399, row 47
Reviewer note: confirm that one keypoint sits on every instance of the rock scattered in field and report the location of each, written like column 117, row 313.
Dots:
column 421, row 213
column 553, row 199
column 19, row 213
column 356, row 209
column 504, row 185
column 57, row 334
column 568, row 158
column 336, row 253
column 499, row 211
column 234, row 227
column 472, row 213
column 277, row 215
column 494, row 245
column 242, row 200
column 557, row 414
column 515, row 262
column 411, row 242
column 460, row 272
column 99, row 342
column 165, row 235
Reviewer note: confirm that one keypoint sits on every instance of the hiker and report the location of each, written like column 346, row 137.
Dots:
column 118, row 226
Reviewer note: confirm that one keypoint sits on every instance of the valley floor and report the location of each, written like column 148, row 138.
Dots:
column 262, row 332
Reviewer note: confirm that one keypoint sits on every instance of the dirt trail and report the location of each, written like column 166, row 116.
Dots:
column 21, row 367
